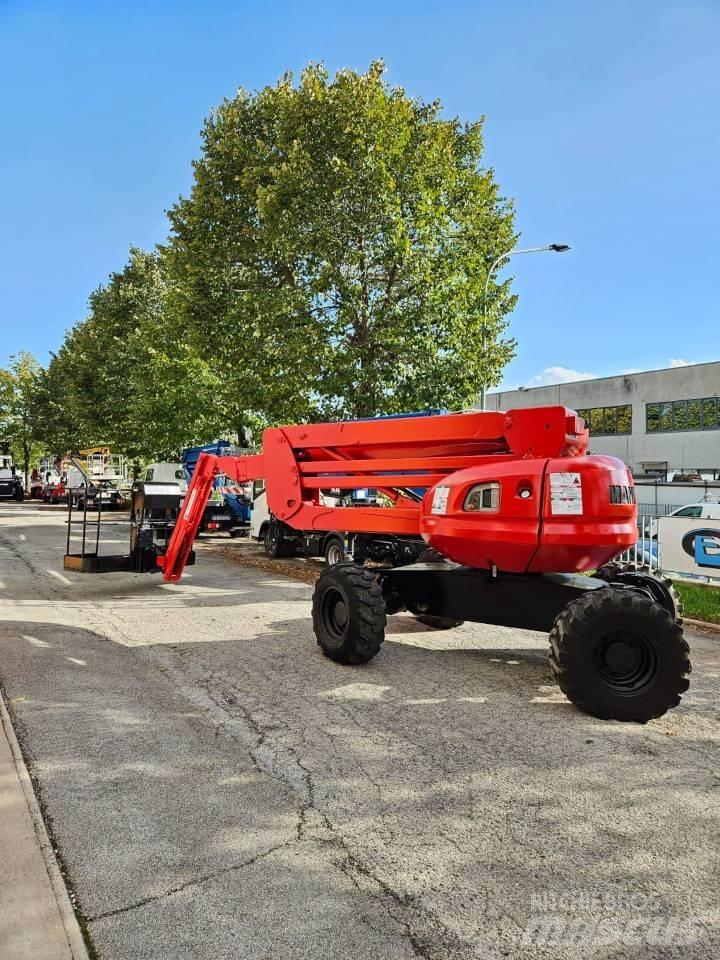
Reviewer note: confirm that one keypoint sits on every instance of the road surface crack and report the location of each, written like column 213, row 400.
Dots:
column 196, row 881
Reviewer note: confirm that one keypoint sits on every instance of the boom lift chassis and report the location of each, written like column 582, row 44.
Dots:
column 514, row 513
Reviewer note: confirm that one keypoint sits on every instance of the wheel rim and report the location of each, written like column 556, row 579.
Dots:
column 334, row 554
column 626, row 662
column 334, row 612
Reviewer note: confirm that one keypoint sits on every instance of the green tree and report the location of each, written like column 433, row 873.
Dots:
column 126, row 377
column 331, row 257
column 18, row 413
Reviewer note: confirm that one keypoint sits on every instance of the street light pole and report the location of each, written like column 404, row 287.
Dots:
column 552, row 247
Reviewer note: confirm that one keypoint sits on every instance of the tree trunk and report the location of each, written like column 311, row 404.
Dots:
column 26, row 467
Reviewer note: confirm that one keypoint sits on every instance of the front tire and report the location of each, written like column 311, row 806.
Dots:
column 619, row 655
column 349, row 613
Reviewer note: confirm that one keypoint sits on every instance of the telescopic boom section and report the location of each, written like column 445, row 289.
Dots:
column 395, row 456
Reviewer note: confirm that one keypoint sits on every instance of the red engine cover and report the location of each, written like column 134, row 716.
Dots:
column 562, row 515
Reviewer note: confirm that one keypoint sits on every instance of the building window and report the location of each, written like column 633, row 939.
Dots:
column 673, row 415
column 608, row 421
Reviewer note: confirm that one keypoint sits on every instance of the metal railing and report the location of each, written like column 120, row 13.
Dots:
column 645, row 550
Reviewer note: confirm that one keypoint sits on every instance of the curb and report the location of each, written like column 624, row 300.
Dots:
column 702, row 625
column 70, row 924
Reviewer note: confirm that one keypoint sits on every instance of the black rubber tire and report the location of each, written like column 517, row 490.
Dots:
column 274, row 544
column 334, row 551
column 633, row 574
column 614, row 629
column 348, row 613
column 19, row 495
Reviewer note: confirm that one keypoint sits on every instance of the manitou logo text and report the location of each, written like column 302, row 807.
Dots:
column 621, row 494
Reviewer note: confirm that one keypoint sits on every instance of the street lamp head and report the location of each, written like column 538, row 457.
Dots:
column 559, row 247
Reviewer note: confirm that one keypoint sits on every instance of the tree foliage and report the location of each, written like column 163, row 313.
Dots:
column 18, row 408
column 329, row 261
column 125, row 377
column 339, row 233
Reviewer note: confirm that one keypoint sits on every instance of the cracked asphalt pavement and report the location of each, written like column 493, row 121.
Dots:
column 216, row 788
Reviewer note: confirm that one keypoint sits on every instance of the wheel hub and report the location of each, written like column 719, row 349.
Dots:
column 334, row 613
column 621, row 658
column 626, row 662
column 339, row 614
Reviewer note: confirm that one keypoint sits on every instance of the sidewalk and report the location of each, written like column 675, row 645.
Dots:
column 36, row 918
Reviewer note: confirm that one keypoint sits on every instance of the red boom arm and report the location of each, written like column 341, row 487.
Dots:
column 391, row 455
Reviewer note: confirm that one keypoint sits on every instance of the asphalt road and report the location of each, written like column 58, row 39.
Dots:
column 216, row 788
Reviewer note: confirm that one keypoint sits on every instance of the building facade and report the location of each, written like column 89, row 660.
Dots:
column 662, row 423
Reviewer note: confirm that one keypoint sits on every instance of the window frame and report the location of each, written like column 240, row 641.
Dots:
column 658, row 412
column 590, row 413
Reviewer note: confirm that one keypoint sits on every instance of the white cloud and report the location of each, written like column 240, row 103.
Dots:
column 551, row 375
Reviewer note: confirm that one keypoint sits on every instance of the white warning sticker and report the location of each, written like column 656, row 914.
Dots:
column 440, row 499
column 566, row 493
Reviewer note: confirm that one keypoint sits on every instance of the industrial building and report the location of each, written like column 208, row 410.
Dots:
column 662, row 423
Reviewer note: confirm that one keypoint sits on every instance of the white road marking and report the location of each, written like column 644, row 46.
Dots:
column 59, row 576
column 80, row 663
column 34, row 641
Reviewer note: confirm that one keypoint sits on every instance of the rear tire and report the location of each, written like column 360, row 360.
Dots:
column 660, row 587
column 349, row 613
column 619, row 655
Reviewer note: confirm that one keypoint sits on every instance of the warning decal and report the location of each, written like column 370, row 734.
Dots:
column 566, row 493
column 439, row 500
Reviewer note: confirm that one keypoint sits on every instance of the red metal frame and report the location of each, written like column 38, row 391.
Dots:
column 391, row 455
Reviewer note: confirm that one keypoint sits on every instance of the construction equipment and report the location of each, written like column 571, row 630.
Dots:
column 515, row 511
column 281, row 540
column 229, row 506
column 11, row 483
column 103, row 465
column 154, row 508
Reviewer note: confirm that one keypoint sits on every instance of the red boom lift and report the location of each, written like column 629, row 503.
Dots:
column 514, row 511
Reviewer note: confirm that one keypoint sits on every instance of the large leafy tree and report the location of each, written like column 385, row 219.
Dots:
column 18, row 409
column 331, row 257
column 125, row 376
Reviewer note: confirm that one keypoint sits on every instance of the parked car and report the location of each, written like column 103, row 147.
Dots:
column 706, row 510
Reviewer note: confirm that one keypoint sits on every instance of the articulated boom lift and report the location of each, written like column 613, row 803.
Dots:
column 513, row 511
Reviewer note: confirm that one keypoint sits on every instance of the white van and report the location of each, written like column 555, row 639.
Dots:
column 706, row 510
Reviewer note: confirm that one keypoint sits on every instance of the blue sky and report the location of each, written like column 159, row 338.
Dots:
column 602, row 123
